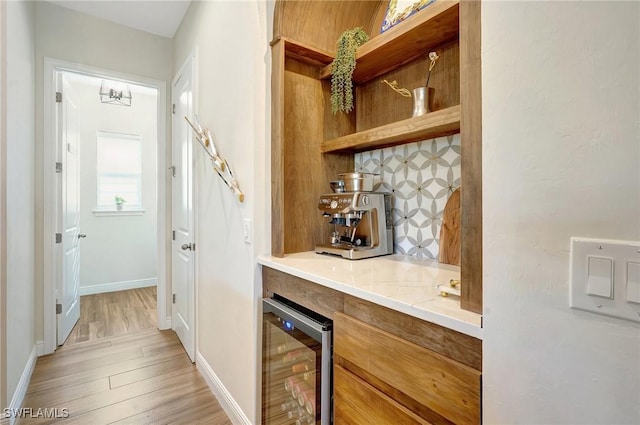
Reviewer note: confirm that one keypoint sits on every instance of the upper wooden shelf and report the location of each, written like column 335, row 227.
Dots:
column 304, row 52
column 433, row 26
column 434, row 124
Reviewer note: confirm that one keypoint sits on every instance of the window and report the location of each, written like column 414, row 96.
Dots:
column 119, row 165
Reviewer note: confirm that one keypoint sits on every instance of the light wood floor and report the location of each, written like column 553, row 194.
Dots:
column 115, row 313
column 140, row 378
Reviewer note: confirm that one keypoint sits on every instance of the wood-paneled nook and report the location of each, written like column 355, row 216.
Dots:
column 310, row 145
column 435, row 376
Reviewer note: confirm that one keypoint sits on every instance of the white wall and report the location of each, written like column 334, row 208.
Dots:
column 233, row 97
column 20, row 326
column 119, row 248
column 561, row 148
column 75, row 37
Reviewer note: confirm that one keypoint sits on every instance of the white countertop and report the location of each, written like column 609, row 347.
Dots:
column 399, row 282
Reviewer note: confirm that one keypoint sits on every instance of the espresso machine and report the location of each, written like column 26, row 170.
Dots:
column 360, row 224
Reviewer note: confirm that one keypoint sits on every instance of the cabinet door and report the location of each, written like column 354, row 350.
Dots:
column 442, row 385
column 356, row 402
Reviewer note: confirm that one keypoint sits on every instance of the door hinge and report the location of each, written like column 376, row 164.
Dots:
column 58, row 167
column 58, row 97
column 173, row 109
column 174, row 298
column 58, row 308
column 58, row 237
column 173, row 235
column 173, row 170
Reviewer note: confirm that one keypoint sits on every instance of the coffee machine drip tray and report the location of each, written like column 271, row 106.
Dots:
column 346, row 250
column 349, row 251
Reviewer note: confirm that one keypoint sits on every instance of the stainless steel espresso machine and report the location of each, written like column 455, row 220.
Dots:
column 360, row 224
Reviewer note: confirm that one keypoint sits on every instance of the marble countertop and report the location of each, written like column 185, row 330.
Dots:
column 399, row 282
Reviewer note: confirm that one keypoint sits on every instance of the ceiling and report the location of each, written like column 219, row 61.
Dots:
column 160, row 17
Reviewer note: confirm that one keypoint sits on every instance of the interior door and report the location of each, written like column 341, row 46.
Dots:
column 68, row 288
column 183, row 247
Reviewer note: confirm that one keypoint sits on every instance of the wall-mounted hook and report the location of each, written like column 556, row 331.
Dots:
column 220, row 165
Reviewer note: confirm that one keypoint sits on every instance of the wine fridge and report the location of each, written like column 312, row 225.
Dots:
column 296, row 364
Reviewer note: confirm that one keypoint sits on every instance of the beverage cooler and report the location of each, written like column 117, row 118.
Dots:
column 296, row 365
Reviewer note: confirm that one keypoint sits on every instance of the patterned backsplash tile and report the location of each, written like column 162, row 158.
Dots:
column 421, row 176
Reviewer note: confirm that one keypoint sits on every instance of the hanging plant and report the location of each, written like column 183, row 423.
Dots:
column 342, row 69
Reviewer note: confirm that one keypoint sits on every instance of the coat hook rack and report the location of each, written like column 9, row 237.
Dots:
column 220, row 165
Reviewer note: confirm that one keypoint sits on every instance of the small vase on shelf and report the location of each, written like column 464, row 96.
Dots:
column 422, row 100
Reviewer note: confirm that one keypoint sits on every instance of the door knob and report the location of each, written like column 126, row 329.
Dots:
column 186, row 246
column 81, row 235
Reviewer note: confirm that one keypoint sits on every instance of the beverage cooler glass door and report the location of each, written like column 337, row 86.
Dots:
column 296, row 365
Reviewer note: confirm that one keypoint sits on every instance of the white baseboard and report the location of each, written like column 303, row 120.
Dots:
column 164, row 325
column 23, row 383
column 117, row 286
column 231, row 408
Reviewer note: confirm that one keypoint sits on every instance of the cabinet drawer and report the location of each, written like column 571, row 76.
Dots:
column 444, row 386
column 358, row 403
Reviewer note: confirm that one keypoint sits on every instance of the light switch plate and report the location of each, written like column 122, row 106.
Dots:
column 246, row 230
column 597, row 263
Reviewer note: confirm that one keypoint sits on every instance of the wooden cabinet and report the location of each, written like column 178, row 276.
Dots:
column 357, row 402
column 391, row 368
column 310, row 146
column 408, row 380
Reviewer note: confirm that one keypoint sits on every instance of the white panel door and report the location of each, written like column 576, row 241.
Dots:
column 182, row 253
column 68, row 293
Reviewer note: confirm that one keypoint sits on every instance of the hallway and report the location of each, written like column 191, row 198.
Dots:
column 139, row 378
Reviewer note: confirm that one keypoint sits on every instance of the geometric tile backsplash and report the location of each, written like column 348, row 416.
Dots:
column 421, row 176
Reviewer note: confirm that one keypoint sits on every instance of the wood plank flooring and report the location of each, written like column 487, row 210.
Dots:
column 139, row 378
column 115, row 313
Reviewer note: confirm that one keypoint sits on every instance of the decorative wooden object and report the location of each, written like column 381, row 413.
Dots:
column 450, row 231
column 220, row 165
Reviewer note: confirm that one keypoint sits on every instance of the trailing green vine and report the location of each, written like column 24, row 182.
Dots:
column 342, row 69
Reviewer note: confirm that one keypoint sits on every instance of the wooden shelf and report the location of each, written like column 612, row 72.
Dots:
column 434, row 124
column 304, row 53
column 433, row 26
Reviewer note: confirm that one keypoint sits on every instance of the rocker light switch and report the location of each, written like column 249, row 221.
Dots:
column 633, row 282
column 605, row 277
column 600, row 277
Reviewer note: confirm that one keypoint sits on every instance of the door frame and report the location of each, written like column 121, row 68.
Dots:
column 50, row 251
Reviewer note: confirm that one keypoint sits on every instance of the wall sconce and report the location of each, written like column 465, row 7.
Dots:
column 115, row 95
